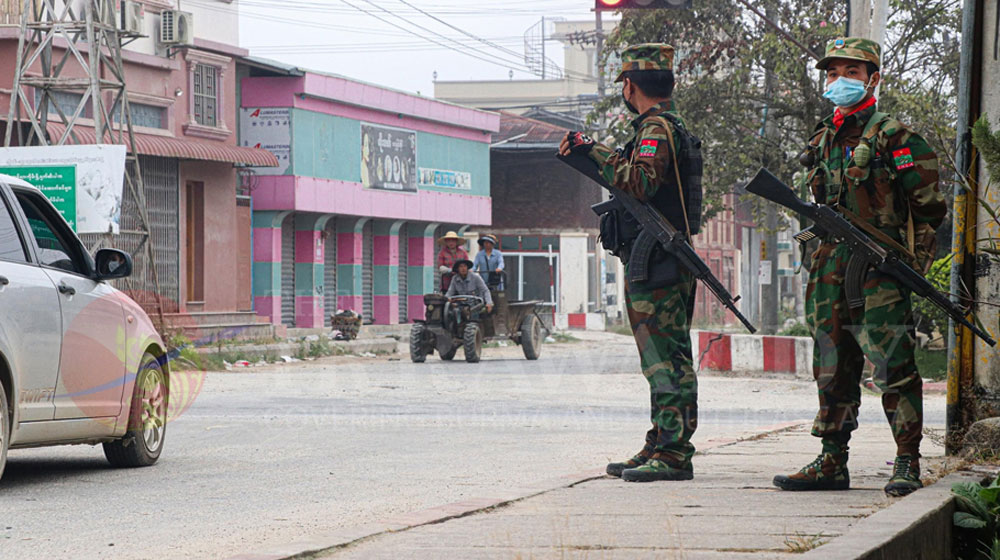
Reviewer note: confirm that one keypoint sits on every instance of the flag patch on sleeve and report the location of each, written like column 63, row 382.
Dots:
column 647, row 148
column 902, row 158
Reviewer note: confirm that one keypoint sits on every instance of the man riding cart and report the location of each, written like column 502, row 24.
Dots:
column 465, row 317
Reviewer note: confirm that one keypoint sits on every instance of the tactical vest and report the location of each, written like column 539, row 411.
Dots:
column 619, row 230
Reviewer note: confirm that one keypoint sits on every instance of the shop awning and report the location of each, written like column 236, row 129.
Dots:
column 170, row 147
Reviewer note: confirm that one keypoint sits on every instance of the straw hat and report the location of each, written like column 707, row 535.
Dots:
column 447, row 236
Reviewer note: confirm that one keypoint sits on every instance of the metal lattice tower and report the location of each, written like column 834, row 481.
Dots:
column 90, row 65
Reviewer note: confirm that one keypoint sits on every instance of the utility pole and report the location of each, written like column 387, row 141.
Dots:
column 770, row 296
column 599, row 27
column 544, row 61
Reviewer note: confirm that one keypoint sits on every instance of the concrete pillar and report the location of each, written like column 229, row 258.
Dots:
column 386, row 253
column 267, row 264
column 349, row 260
column 309, row 268
column 422, row 252
column 573, row 272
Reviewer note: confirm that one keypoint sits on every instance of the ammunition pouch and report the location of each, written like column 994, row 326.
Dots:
column 650, row 266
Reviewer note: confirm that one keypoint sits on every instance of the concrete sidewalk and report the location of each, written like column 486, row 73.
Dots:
column 730, row 510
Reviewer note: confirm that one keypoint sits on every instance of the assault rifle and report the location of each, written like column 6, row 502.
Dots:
column 662, row 231
column 865, row 253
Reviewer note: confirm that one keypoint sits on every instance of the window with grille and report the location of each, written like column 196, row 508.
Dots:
column 205, row 95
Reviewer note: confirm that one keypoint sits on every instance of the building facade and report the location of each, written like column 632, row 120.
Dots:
column 368, row 179
column 185, row 110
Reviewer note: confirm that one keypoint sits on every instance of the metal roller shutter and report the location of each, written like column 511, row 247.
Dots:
column 288, row 271
column 330, row 272
column 368, row 271
column 404, row 246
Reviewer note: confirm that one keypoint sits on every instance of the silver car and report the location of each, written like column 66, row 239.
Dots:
column 80, row 362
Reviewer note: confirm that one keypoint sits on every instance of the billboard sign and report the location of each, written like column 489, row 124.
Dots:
column 84, row 182
column 444, row 178
column 268, row 128
column 388, row 158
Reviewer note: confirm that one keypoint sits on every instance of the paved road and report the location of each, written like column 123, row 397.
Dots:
column 267, row 456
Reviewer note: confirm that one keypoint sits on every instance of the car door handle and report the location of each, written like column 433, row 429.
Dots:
column 4, row 281
column 66, row 289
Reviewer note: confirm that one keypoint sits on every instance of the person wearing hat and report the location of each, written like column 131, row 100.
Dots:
column 878, row 172
column 659, row 310
column 465, row 284
column 489, row 259
column 450, row 253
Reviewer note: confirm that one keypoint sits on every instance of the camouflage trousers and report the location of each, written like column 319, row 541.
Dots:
column 661, row 323
column 882, row 330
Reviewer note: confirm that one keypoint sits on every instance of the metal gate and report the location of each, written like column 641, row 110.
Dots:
column 368, row 271
column 288, row 271
column 330, row 272
column 162, row 183
column 404, row 246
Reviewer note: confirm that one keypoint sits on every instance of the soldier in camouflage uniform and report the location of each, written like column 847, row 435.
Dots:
column 877, row 171
column 660, row 315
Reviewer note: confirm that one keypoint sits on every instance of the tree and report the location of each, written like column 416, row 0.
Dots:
column 722, row 54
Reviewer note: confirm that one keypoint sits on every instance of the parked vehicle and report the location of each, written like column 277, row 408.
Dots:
column 80, row 362
column 463, row 322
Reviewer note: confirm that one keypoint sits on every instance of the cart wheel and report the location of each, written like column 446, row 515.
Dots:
column 531, row 337
column 417, row 353
column 472, row 341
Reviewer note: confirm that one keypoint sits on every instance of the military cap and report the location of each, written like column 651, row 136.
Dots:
column 853, row 48
column 647, row 56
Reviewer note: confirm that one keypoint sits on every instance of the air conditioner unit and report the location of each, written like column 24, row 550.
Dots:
column 176, row 28
column 133, row 17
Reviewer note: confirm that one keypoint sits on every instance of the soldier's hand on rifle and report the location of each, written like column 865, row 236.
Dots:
column 925, row 247
column 576, row 143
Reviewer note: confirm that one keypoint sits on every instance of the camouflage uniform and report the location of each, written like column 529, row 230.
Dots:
column 899, row 183
column 660, row 317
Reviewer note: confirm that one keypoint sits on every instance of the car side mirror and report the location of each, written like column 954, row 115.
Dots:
column 112, row 264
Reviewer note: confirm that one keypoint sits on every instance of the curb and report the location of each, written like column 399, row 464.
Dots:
column 917, row 526
column 357, row 346
column 438, row 514
column 751, row 353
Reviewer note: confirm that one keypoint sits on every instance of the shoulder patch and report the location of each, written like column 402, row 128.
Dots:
column 647, row 148
column 902, row 159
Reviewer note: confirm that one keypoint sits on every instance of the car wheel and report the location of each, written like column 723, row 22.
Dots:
column 417, row 353
column 472, row 342
column 4, row 430
column 147, row 419
column 531, row 337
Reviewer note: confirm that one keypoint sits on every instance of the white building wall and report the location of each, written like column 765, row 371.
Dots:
column 573, row 273
column 214, row 20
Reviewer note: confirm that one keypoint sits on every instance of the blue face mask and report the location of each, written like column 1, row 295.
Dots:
column 846, row 92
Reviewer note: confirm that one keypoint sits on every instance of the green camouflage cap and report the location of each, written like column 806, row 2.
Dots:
column 648, row 56
column 853, row 48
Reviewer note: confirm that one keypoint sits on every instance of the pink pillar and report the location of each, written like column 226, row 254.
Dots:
column 386, row 269
column 423, row 259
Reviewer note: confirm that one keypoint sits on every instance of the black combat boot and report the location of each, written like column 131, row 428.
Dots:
column 640, row 458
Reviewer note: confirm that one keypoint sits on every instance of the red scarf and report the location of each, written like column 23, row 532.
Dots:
column 838, row 116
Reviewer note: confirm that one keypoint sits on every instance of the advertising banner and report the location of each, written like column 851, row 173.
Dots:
column 445, row 178
column 268, row 128
column 84, row 182
column 388, row 158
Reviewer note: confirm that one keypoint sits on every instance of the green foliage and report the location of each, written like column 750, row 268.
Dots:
column 926, row 315
column 932, row 364
column 977, row 519
column 988, row 144
column 724, row 52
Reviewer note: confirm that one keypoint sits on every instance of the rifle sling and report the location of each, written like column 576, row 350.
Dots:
column 677, row 173
column 876, row 233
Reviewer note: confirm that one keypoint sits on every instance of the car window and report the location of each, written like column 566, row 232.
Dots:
column 11, row 246
column 53, row 250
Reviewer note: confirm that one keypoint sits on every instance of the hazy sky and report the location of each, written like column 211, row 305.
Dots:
column 336, row 36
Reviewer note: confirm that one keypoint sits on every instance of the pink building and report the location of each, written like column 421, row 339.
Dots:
column 368, row 178
column 185, row 107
